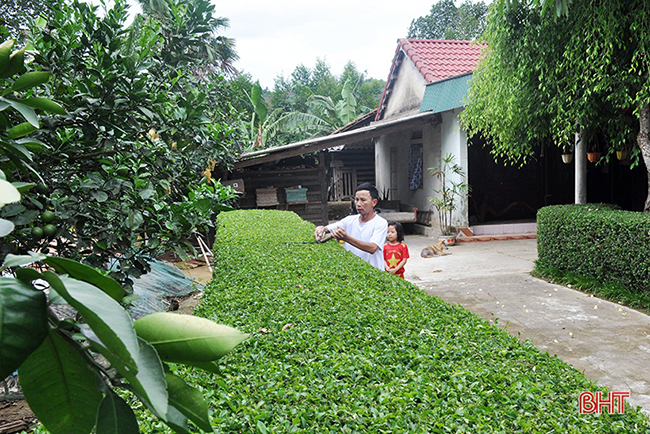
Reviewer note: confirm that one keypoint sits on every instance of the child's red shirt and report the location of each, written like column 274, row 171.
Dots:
column 393, row 255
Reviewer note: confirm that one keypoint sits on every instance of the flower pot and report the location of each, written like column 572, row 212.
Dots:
column 567, row 158
column 593, row 156
column 621, row 155
column 449, row 240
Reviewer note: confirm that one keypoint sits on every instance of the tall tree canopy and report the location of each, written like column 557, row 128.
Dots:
column 446, row 21
column 312, row 101
column 545, row 78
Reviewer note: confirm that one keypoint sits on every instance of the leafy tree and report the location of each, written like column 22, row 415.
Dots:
column 124, row 165
column 15, row 15
column 544, row 78
column 446, row 21
column 66, row 383
column 191, row 32
column 338, row 114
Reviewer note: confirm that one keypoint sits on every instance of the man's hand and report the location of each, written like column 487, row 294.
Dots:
column 340, row 234
column 319, row 232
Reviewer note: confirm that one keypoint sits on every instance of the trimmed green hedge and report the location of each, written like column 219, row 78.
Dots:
column 340, row 347
column 596, row 240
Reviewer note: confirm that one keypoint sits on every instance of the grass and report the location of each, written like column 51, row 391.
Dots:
column 338, row 346
column 611, row 291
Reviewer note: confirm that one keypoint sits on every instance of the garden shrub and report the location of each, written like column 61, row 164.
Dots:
column 338, row 346
column 596, row 240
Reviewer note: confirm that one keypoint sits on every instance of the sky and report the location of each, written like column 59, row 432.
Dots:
column 274, row 36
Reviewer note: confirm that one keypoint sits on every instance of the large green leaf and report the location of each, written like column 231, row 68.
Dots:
column 16, row 63
column 5, row 52
column 135, row 219
column 20, row 260
column 189, row 401
column 21, row 130
column 60, row 387
column 105, row 316
column 44, row 104
column 144, row 373
column 186, row 338
column 29, row 80
column 23, row 323
column 259, row 104
column 87, row 274
column 115, row 416
column 6, row 227
column 8, row 193
column 28, row 113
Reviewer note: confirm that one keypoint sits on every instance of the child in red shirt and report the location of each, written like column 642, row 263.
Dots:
column 395, row 251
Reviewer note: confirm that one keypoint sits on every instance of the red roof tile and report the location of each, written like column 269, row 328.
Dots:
column 434, row 59
column 439, row 59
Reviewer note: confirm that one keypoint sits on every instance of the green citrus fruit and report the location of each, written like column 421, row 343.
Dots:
column 122, row 171
column 42, row 188
column 49, row 230
column 37, row 233
column 48, row 217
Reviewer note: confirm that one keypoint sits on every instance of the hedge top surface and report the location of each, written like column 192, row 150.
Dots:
column 338, row 346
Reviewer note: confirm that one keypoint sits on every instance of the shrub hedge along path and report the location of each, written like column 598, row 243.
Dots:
column 338, row 347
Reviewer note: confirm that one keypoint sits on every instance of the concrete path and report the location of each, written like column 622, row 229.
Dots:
column 609, row 343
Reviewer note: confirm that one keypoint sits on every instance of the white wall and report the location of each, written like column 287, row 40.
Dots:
column 407, row 92
column 454, row 141
column 402, row 141
column 437, row 140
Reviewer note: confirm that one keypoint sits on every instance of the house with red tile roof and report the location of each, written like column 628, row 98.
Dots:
column 433, row 77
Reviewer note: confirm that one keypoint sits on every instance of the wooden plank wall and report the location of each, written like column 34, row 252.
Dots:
column 312, row 179
column 363, row 159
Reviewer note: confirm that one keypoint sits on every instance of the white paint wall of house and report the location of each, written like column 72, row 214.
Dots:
column 402, row 141
column 407, row 92
column 454, row 141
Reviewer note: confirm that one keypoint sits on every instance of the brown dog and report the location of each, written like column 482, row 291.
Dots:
column 434, row 250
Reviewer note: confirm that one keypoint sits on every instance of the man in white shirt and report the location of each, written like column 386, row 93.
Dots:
column 364, row 233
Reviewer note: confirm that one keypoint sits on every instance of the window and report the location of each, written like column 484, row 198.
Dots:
column 415, row 161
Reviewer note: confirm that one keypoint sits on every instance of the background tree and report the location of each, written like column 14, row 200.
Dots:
column 544, row 78
column 192, row 34
column 16, row 14
column 446, row 21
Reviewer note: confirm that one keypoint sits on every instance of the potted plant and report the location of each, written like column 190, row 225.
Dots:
column 567, row 154
column 593, row 154
column 445, row 201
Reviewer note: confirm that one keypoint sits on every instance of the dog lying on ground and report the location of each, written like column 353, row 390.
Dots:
column 434, row 250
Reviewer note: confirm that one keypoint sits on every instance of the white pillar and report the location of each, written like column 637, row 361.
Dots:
column 580, row 159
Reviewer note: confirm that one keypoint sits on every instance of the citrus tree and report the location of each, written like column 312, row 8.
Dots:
column 121, row 170
column 71, row 365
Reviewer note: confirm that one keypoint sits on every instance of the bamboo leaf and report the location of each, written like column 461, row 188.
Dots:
column 115, row 416
column 186, row 338
column 60, row 387
column 87, row 274
column 23, row 323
